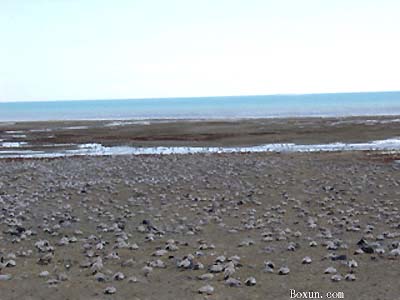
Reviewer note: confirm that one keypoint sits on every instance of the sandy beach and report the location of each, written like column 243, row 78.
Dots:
column 201, row 226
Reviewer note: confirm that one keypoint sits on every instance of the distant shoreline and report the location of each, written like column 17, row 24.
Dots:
column 369, row 117
column 205, row 119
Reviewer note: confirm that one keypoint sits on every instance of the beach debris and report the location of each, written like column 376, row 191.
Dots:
column 97, row 265
column 147, row 270
column 132, row 279
column 110, row 290
column 157, row 264
column 216, row 268
column 394, row 253
column 119, row 276
column 350, row 277
column 306, row 260
column 62, row 277
column 160, row 252
column 250, row 281
column 53, row 281
column 229, row 269
column 269, row 266
column 128, row 263
column 246, row 243
column 352, row 264
column 330, row 270
column 5, row 277
column 206, row 276
column 10, row 263
column 284, row 270
column 232, row 282
column 44, row 274
column 186, row 263
column 207, row 289
column 45, row 259
column 100, row 277
column 336, row 277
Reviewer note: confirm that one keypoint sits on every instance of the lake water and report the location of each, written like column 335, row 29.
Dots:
column 340, row 104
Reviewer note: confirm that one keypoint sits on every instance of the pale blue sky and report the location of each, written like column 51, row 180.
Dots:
column 94, row 49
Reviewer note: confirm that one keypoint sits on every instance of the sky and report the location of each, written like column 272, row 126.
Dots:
column 101, row 49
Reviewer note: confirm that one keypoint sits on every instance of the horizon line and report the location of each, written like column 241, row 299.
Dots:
column 200, row 97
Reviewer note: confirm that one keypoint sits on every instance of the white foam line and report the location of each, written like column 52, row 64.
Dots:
column 18, row 136
column 74, row 128
column 366, row 122
column 40, row 130
column 100, row 150
column 12, row 144
column 22, row 152
column 57, row 145
column 14, row 131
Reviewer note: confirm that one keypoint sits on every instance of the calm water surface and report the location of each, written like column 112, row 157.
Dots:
column 342, row 104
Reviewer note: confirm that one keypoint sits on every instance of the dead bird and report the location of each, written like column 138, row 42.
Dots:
column 150, row 227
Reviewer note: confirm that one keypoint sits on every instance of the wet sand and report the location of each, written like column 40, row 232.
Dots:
column 85, row 219
column 247, row 132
